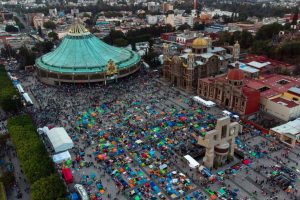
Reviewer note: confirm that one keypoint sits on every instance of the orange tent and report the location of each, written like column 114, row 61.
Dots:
column 213, row 197
column 121, row 170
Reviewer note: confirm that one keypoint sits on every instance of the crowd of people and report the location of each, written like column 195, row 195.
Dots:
column 129, row 133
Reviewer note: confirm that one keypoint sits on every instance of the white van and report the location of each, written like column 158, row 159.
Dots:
column 81, row 191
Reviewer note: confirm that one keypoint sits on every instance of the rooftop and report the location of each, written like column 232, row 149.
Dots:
column 82, row 52
column 258, row 65
column 246, row 68
column 291, row 128
column 271, row 85
column 285, row 102
column 295, row 90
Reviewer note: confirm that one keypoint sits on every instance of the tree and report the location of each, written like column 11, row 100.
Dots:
column 199, row 27
column 267, row 32
column 53, row 35
column 43, row 47
column 295, row 17
column 8, row 51
column 86, row 15
column 113, row 35
column 40, row 32
column 183, row 27
column 246, row 39
column 48, row 188
column 89, row 22
column 8, row 179
column 120, row 42
column 11, row 29
column 19, row 24
column 49, row 25
column 25, row 57
column 9, row 97
column 133, row 46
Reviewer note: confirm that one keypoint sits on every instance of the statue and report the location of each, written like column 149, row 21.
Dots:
column 111, row 68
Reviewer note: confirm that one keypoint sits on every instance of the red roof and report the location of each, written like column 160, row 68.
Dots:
column 235, row 74
column 289, row 104
column 67, row 174
column 272, row 84
column 262, row 59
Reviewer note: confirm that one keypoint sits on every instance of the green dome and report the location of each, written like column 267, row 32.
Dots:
column 82, row 52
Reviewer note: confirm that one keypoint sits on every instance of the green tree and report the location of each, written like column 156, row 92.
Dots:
column 49, row 25
column 246, row 39
column 113, row 35
column 261, row 47
column 11, row 29
column 53, row 35
column 198, row 26
column 133, row 46
column 25, row 57
column 9, row 97
column 43, row 47
column 40, row 32
column 183, row 27
column 86, row 15
column 19, row 24
column 267, row 32
column 120, row 42
column 295, row 16
column 48, row 188
column 8, row 179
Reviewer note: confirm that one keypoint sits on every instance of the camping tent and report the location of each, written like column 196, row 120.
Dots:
column 192, row 162
column 60, row 139
column 67, row 174
column 20, row 88
column 27, row 99
column 60, row 157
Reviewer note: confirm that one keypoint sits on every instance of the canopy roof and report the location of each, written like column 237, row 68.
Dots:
column 60, row 139
column 82, row 52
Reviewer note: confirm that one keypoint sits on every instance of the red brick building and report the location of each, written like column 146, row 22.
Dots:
column 230, row 91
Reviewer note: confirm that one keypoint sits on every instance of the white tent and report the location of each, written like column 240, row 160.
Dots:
column 20, row 88
column 60, row 157
column 27, row 98
column 60, row 139
column 204, row 102
column 192, row 162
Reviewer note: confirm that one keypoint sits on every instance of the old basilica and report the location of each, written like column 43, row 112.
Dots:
column 198, row 60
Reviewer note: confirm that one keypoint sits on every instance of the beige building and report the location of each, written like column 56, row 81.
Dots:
column 288, row 133
column 220, row 142
column 285, row 106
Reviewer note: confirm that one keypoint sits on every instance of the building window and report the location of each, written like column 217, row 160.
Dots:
column 215, row 137
column 265, row 88
column 224, row 131
column 283, row 82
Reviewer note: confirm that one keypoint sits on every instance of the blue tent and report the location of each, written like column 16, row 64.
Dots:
column 74, row 196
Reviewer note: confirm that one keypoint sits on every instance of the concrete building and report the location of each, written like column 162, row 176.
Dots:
column 288, row 133
column 220, row 142
column 166, row 7
column 152, row 19
column 278, row 94
column 53, row 12
column 285, row 106
column 75, row 62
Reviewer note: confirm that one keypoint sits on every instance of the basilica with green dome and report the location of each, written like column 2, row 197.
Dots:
column 83, row 58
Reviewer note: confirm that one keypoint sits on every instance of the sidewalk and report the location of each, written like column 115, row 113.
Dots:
column 20, row 178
